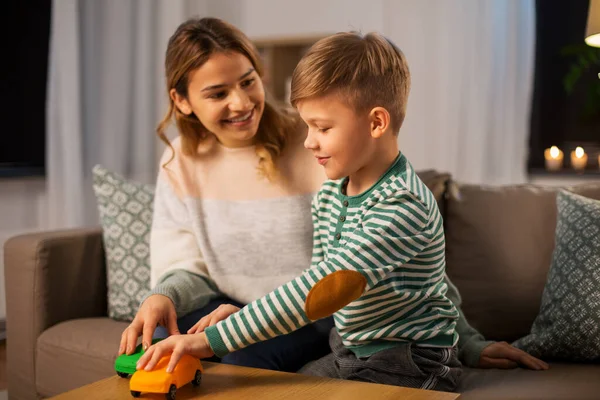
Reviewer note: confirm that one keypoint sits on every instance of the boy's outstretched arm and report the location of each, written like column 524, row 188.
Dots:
column 175, row 345
column 388, row 236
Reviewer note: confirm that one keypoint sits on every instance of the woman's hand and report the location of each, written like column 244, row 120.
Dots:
column 504, row 356
column 221, row 313
column 155, row 310
column 194, row 345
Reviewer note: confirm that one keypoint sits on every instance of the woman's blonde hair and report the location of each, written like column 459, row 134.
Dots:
column 365, row 70
column 189, row 48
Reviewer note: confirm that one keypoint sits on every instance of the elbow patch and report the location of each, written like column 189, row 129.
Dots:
column 334, row 292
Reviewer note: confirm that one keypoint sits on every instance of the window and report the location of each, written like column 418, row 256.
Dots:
column 558, row 118
column 24, row 44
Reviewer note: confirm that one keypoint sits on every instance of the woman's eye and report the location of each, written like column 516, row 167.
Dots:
column 217, row 95
column 247, row 82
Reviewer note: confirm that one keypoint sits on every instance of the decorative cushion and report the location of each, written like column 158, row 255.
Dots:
column 568, row 324
column 499, row 244
column 126, row 217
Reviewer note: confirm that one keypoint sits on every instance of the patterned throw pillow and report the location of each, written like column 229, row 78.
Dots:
column 126, row 216
column 568, row 324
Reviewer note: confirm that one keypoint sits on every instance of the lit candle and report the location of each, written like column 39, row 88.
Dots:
column 554, row 158
column 578, row 159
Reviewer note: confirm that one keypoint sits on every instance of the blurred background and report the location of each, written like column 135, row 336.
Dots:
column 495, row 83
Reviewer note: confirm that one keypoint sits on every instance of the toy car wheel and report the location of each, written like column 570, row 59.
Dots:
column 123, row 374
column 135, row 393
column 172, row 392
column 197, row 378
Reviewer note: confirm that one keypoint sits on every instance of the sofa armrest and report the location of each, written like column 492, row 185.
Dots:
column 50, row 277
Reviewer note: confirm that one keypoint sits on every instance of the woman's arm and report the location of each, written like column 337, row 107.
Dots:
column 187, row 291
column 476, row 352
column 470, row 341
column 178, row 269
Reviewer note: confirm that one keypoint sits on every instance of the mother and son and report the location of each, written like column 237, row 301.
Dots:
column 250, row 266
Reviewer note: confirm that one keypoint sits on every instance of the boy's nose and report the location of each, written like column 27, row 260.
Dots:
column 310, row 143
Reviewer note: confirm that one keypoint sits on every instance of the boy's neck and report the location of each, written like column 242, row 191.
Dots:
column 380, row 161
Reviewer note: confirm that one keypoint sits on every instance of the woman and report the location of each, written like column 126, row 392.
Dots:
column 232, row 214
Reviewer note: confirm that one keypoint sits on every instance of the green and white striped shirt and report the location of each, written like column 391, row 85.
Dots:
column 393, row 235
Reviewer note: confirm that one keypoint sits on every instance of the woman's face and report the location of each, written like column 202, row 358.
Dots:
column 227, row 96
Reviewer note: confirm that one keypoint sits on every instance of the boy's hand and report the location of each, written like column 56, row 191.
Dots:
column 194, row 345
column 221, row 313
column 504, row 356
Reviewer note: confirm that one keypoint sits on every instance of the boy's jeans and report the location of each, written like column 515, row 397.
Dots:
column 283, row 353
column 404, row 365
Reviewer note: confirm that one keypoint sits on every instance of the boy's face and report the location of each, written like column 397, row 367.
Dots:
column 338, row 136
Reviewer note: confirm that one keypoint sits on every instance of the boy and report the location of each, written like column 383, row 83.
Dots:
column 378, row 260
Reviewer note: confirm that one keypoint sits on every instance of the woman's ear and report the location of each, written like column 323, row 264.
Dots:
column 180, row 102
column 380, row 122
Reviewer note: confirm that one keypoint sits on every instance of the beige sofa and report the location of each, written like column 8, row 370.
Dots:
column 499, row 246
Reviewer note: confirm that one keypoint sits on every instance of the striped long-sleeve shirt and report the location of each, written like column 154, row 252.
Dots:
column 392, row 235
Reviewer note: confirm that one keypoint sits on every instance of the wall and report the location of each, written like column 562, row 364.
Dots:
column 270, row 18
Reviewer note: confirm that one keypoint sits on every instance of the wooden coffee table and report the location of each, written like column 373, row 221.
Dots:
column 221, row 381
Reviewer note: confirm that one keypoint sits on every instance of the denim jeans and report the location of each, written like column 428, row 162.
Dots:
column 404, row 365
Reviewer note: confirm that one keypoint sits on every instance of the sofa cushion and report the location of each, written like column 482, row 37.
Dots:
column 499, row 244
column 126, row 216
column 75, row 353
column 560, row 382
column 568, row 324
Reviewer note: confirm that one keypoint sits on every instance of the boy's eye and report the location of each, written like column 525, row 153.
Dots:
column 217, row 95
column 247, row 82
column 323, row 130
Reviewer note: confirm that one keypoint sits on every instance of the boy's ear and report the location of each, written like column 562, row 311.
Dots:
column 380, row 122
column 180, row 102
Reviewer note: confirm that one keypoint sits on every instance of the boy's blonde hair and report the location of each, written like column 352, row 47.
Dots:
column 365, row 70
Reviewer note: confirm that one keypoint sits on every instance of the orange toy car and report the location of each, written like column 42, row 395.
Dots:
column 188, row 369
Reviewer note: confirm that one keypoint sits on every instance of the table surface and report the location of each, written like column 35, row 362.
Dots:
column 221, row 381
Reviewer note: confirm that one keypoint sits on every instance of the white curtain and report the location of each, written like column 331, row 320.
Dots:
column 472, row 76
column 105, row 96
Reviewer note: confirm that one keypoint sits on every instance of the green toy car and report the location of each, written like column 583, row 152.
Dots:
column 125, row 364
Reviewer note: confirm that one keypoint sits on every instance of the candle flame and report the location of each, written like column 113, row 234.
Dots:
column 579, row 152
column 554, row 152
